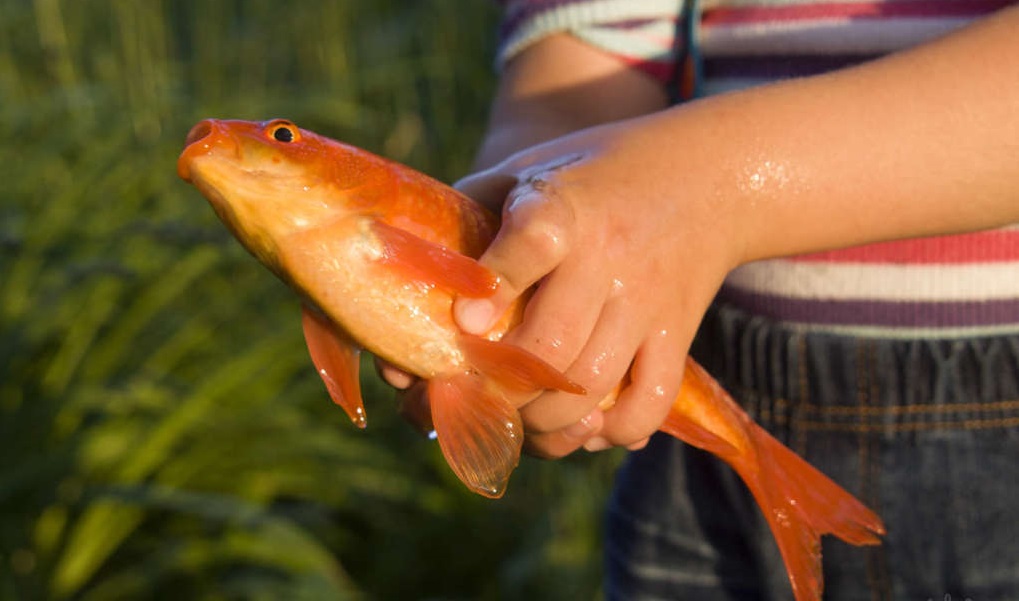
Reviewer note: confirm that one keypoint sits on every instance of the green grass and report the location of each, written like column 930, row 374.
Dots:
column 162, row 432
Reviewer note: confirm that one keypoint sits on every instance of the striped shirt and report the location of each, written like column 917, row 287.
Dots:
column 946, row 286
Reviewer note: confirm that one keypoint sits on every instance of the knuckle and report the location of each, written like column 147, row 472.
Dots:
column 641, row 416
column 546, row 238
column 552, row 412
column 600, row 376
column 542, row 215
column 627, row 435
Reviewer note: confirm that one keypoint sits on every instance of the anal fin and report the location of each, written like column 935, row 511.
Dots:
column 479, row 431
column 337, row 360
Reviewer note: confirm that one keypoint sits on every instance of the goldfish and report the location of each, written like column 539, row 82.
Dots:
column 377, row 253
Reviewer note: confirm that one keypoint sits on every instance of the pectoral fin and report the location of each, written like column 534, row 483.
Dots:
column 425, row 261
column 479, row 431
column 337, row 360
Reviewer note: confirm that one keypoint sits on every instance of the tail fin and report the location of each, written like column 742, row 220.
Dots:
column 799, row 502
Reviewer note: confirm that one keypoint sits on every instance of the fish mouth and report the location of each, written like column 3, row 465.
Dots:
column 205, row 138
column 199, row 131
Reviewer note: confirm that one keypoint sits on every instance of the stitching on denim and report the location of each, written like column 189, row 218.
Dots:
column 913, row 409
column 870, row 410
column 814, row 425
column 964, row 424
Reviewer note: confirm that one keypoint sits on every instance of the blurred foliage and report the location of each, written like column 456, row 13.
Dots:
column 162, row 433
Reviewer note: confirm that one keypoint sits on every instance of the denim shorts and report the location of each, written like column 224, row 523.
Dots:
column 925, row 432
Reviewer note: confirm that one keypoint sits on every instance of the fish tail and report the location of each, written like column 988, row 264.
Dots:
column 799, row 502
column 800, row 505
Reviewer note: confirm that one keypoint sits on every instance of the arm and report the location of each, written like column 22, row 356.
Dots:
column 631, row 237
column 560, row 85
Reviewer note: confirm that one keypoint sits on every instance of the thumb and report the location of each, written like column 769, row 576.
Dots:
column 533, row 240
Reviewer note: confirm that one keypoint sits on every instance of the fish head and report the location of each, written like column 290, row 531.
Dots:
column 266, row 180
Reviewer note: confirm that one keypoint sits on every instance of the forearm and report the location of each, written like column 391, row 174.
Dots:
column 920, row 143
column 558, row 86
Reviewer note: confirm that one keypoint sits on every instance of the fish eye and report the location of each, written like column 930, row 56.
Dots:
column 283, row 132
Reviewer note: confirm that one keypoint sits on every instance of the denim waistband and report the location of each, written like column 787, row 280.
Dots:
column 796, row 382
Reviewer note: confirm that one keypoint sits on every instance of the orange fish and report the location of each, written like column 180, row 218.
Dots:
column 378, row 251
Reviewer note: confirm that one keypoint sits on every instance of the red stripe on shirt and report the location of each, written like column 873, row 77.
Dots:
column 979, row 247
column 663, row 71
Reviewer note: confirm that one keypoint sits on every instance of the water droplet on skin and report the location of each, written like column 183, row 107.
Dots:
column 765, row 174
column 658, row 391
column 598, row 363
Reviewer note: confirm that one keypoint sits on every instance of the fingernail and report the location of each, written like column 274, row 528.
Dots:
column 596, row 444
column 474, row 315
column 640, row 444
column 396, row 378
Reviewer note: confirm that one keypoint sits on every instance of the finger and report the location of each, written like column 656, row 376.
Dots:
column 600, row 443
column 415, row 408
column 599, row 367
column 563, row 312
column 534, row 238
column 653, row 386
column 394, row 376
column 553, row 445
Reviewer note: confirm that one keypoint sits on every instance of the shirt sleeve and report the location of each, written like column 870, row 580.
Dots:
column 641, row 33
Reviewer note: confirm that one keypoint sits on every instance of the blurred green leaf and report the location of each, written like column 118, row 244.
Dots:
column 162, row 432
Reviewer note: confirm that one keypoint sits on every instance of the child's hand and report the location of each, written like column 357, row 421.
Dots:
column 625, row 263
